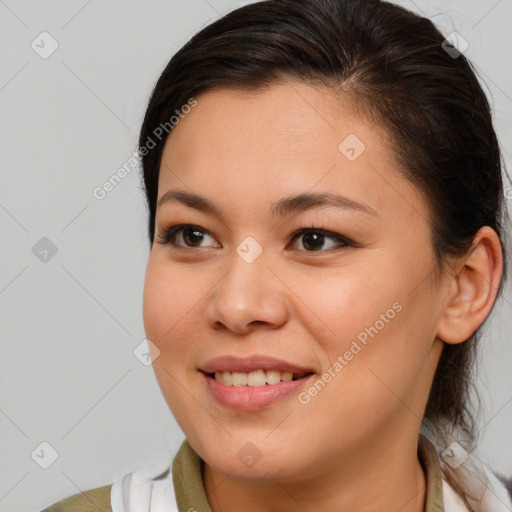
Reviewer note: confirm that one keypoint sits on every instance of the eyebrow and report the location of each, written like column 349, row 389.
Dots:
column 281, row 208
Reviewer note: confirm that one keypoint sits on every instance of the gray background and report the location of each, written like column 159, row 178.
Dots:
column 70, row 324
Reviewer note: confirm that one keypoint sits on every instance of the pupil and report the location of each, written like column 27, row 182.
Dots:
column 313, row 237
column 190, row 234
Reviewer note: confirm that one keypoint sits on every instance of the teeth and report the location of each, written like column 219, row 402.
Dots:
column 273, row 377
column 256, row 378
column 286, row 376
column 224, row 377
column 239, row 379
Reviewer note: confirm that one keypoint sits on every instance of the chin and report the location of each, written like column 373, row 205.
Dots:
column 258, row 460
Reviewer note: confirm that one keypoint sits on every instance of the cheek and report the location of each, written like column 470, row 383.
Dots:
column 170, row 298
column 349, row 306
column 168, row 314
column 156, row 304
column 378, row 327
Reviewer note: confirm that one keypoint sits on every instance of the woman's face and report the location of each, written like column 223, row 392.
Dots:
column 350, row 301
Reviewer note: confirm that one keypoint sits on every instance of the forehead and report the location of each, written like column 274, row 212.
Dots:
column 281, row 140
column 289, row 115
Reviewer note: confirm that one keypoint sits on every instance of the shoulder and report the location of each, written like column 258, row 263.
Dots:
column 93, row 500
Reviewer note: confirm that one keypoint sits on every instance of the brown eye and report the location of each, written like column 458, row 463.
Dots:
column 184, row 236
column 192, row 236
column 313, row 240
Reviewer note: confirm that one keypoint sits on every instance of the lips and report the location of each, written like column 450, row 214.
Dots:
column 253, row 363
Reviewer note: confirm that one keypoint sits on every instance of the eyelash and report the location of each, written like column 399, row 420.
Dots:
column 169, row 234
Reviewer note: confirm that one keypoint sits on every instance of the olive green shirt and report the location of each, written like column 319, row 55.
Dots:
column 191, row 495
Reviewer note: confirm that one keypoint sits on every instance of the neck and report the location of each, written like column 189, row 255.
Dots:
column 377, row 476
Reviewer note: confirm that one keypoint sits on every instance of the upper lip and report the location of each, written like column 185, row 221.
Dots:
column 229, row 363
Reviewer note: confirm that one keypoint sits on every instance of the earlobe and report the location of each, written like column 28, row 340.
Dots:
column 473, row 289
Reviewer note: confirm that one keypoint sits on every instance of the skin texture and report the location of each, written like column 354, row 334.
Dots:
column 353, row 446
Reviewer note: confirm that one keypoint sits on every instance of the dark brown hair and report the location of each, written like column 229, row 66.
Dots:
column 397, row 69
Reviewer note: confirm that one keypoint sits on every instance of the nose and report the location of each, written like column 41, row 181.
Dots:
column 249, row 296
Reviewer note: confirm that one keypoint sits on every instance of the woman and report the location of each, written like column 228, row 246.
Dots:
column 326, row 243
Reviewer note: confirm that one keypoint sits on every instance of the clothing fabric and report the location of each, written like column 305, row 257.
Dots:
column 180, row 489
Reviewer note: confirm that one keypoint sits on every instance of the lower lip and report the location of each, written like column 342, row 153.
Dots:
column 253, row 397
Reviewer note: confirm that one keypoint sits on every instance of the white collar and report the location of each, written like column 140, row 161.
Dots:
column 136, row 492
column 495, row 497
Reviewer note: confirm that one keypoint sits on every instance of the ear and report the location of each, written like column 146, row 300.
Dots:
column 473, row 289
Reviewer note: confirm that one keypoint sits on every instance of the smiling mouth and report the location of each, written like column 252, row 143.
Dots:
column 256, row 378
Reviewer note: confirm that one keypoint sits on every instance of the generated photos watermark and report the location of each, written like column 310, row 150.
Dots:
column 133, row 162
column 355, row 348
